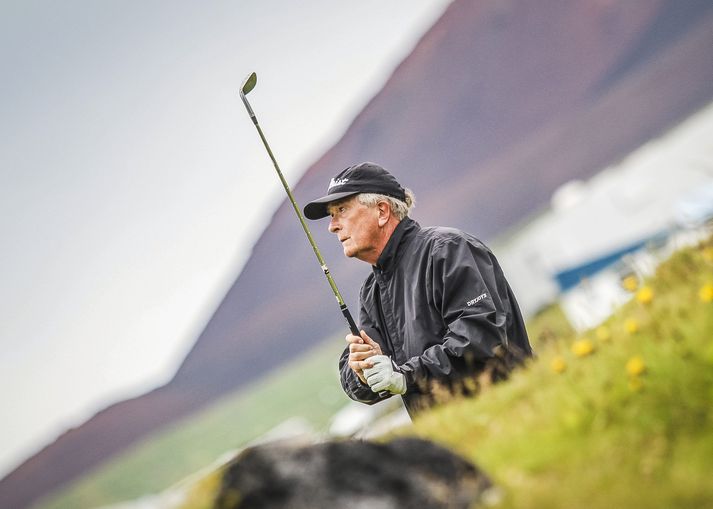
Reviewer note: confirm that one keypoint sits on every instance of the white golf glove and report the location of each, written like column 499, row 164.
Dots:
column 382, row 377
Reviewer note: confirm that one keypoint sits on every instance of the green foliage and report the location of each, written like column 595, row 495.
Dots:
column 547, row 326
column 201, row 493
column 596, row 434
column 308, row 388
column 625, row 422
column 602, row 430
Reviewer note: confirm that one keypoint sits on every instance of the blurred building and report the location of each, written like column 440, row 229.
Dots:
column 593, row 231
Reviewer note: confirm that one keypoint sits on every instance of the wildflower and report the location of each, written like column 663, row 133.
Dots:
column 645, row 295
column 630, row 283
column 558, row 365
column 706, row 293
column 635, row 366
column 603, row 333
column 582, row 348
column 631, row 326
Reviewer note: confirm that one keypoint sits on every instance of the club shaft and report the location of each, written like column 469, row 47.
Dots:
column 342, row 305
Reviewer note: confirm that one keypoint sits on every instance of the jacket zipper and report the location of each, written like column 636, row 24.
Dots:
column 382, row 319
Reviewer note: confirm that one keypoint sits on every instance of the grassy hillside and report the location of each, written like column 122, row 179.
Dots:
column 617, row 417
column 307, row 388
column 621, row 416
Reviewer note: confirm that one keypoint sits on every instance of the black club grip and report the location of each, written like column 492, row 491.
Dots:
column 352, row 325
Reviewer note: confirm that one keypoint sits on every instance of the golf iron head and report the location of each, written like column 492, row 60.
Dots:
column 245, row 89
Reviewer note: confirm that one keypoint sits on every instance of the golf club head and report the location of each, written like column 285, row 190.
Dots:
column 247, row 86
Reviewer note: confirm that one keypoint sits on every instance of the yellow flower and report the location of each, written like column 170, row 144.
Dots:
column 582, row 348
column 645, row 295
column 706, row 293
column 631, row 326
column 635, row 384
column 603, row 333
column 558, row 365
column 635, row 366
column 630, row 283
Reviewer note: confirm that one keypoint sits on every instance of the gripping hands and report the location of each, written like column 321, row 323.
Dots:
column 382, row 376
column 372, row 367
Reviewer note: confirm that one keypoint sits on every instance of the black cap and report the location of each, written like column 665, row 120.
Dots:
column 360, row 178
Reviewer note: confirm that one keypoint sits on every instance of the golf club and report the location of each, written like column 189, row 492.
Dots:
column 245, row 89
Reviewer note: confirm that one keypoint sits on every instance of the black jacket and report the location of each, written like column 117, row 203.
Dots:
column 438, row 304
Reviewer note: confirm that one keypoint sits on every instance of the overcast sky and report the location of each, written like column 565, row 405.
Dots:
column 132, row 183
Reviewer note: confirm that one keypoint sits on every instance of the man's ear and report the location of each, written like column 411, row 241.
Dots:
column 384, row 212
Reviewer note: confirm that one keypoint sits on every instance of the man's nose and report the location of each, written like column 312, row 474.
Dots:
column 333, row 226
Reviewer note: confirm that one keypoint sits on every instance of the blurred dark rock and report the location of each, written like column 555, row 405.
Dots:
column 404, row 473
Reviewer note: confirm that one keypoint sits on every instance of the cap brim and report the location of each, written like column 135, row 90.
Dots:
column 317, row 209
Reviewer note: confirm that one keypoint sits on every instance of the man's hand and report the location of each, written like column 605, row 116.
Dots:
column 382, row 377
column 361, row 348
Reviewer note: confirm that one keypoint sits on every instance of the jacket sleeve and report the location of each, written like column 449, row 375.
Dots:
column 353, row 387
column 464, row 281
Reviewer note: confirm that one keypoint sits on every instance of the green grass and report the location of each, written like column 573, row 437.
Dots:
column 594, row 435
column 308, row 388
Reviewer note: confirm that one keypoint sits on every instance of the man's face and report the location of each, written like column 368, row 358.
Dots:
column 357, row 227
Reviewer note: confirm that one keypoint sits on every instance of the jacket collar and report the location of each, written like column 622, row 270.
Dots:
column 406, row 228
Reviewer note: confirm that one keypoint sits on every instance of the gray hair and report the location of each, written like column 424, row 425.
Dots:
column 399, row 208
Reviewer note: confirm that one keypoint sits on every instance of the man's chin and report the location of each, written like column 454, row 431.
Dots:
column 350, row 251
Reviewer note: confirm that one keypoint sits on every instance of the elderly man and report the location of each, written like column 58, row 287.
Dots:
column 436, row 312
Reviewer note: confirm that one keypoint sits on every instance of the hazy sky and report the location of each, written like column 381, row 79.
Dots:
column 132, row 183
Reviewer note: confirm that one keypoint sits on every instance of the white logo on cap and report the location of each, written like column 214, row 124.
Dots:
column 337, row 182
